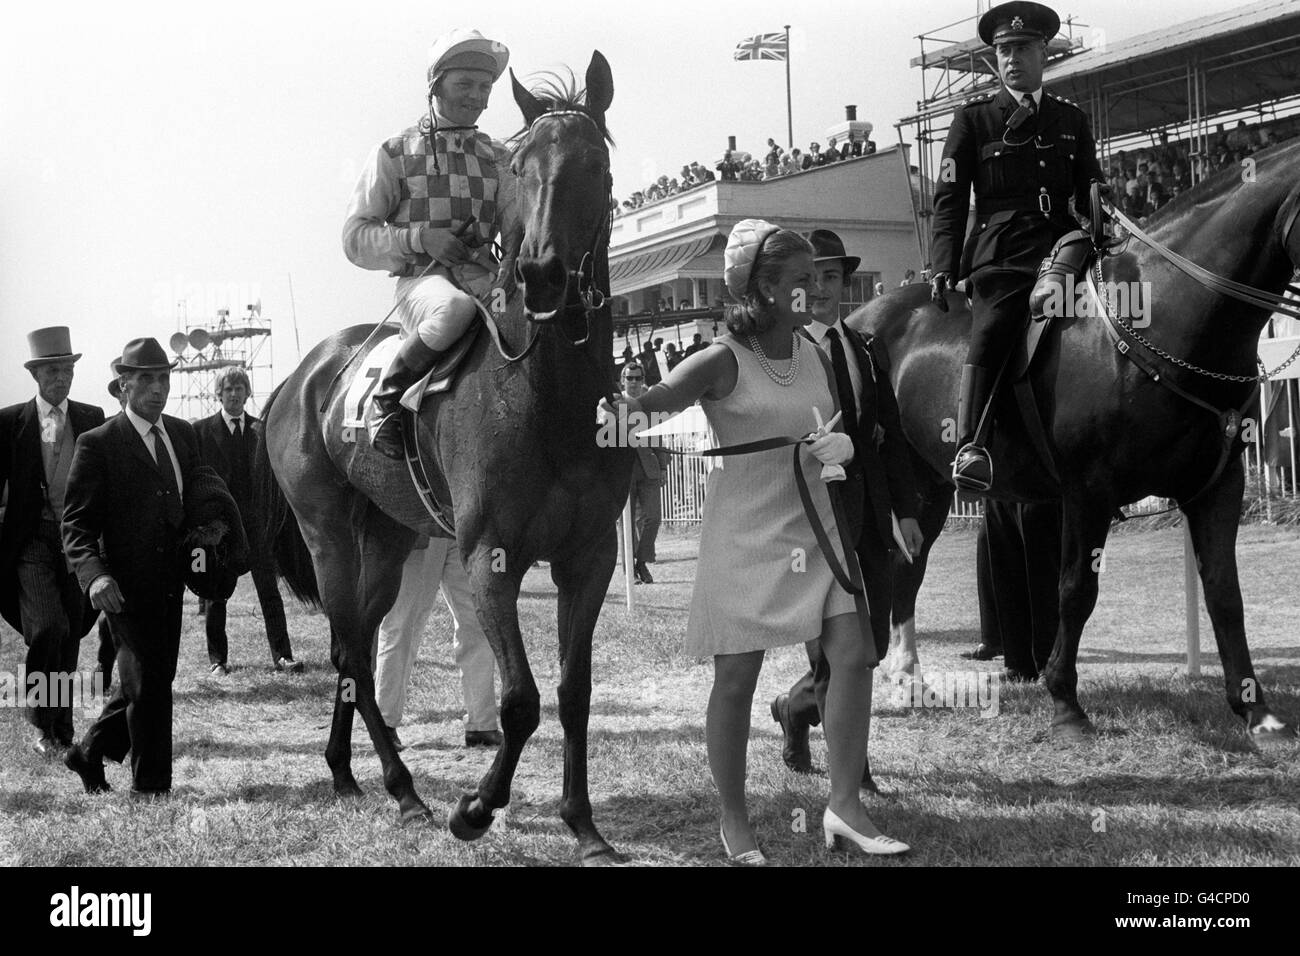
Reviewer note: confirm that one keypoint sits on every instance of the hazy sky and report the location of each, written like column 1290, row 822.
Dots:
column 154, row 152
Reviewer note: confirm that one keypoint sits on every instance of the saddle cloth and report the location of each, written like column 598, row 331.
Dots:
column 373, row 366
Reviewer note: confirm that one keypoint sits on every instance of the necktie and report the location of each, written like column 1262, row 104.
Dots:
column 166, row 469
column 1027, row 101
column 843, row 382
column 52, row 440
column 240, row 460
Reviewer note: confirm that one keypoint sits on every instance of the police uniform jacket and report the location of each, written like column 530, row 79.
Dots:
column 1016, row 176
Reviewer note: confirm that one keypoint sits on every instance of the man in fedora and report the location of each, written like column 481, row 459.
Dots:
column 39, row 594
column 427, row 204
column 1025, row 154
column 880, row 484
column 121, row 528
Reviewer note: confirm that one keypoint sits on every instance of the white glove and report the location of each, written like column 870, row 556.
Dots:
column 834, row 448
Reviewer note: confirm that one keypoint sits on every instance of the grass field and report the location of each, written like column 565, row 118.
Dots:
column 1170, row 778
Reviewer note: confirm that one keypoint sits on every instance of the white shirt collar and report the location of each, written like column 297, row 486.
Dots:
column 818, row 330
column 228, row 418
column 142, row 425
column 43, row 407
column 1037, row 95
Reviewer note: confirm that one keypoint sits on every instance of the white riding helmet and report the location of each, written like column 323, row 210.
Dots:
column 466, row 50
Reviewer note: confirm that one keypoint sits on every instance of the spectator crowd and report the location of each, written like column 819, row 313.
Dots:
column 740, row 166
column 1144, row 179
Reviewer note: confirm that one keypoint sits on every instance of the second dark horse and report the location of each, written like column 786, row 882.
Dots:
column 1117, row 435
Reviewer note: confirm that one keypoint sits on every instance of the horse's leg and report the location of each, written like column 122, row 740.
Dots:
column 358, row 554
column 338, row 752
column 582, row 583
column 1085, row 524
column 496, row 593
column 1212, row 520
column 903, row 664
column 384, row 547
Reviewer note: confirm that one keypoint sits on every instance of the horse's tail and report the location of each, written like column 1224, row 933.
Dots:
column 292, row 559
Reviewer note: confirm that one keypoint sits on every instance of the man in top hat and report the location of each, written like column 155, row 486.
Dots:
column 428, row 201
column 121, row 528
column 228, row 442
column 39, row 595
column 880, row 483
column 1026, row 154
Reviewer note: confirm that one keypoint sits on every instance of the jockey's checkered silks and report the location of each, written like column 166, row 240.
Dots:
column 445, row 187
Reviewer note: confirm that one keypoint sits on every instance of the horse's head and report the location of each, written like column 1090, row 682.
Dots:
column 562, row 165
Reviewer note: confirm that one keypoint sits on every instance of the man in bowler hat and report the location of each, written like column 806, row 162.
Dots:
column 121, row 527
column 39, row 594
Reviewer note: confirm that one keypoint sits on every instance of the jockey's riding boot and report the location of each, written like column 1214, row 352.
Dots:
column 411, row 363
column 972, row 469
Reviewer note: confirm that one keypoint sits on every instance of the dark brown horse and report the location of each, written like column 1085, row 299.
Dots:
column 516, row 442
column 1115, row 433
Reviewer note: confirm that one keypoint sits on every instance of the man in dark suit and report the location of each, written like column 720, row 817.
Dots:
column 121, row 527
column 39, row 593
column 1026, row 154
column 881, row 484
column 1018, row 574
column 227, row 441
column 649, row 467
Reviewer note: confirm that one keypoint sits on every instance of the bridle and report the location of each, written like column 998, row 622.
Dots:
column 590, row 297
column 1256, row 298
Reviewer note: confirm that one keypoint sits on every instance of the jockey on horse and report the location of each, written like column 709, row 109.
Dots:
column 1026, row 153
column 426, row 208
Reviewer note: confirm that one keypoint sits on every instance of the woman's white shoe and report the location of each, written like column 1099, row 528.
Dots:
column 748, row 858
column 835, row 829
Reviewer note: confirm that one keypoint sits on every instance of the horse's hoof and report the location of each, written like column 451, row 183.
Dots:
column 415, row 814
column 1271, row 734
column 603, row 855
column 347, row 790
column 1073, row 732
column 461, row 824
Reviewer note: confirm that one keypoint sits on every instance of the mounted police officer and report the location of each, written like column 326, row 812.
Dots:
column 426, row 207
column 1027, row 153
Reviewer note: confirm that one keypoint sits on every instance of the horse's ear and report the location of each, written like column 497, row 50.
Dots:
column 600, row 87
column 529, row 105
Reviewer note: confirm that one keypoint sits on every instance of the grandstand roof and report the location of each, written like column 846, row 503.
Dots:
column 1145, row 77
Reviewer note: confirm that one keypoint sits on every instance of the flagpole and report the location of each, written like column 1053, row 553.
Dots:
column 789, row 116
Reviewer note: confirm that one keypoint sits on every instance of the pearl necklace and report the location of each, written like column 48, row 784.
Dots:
column 786, row 378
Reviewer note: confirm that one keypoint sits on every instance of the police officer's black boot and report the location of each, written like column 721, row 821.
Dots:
column 412, row 362
column 972, row 469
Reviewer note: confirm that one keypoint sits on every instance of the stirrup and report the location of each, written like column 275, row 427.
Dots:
column 971, row 455
column 386, row 435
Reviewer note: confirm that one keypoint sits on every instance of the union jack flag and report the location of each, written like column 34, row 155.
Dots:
column 764, row 46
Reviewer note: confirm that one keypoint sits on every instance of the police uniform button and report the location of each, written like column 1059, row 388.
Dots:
column 997, row 152
column 1042, row 163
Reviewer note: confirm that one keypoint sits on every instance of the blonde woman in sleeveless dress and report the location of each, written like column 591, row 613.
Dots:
column 762, row 581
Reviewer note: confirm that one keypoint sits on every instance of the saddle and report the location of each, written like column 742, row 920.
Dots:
column 1060, row 274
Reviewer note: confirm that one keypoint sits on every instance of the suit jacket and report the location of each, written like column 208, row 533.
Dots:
column 115, row 520
column 22, row 471
column 1009, row 170
column 215, row 443
column 649, row 463
column 881, row 479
